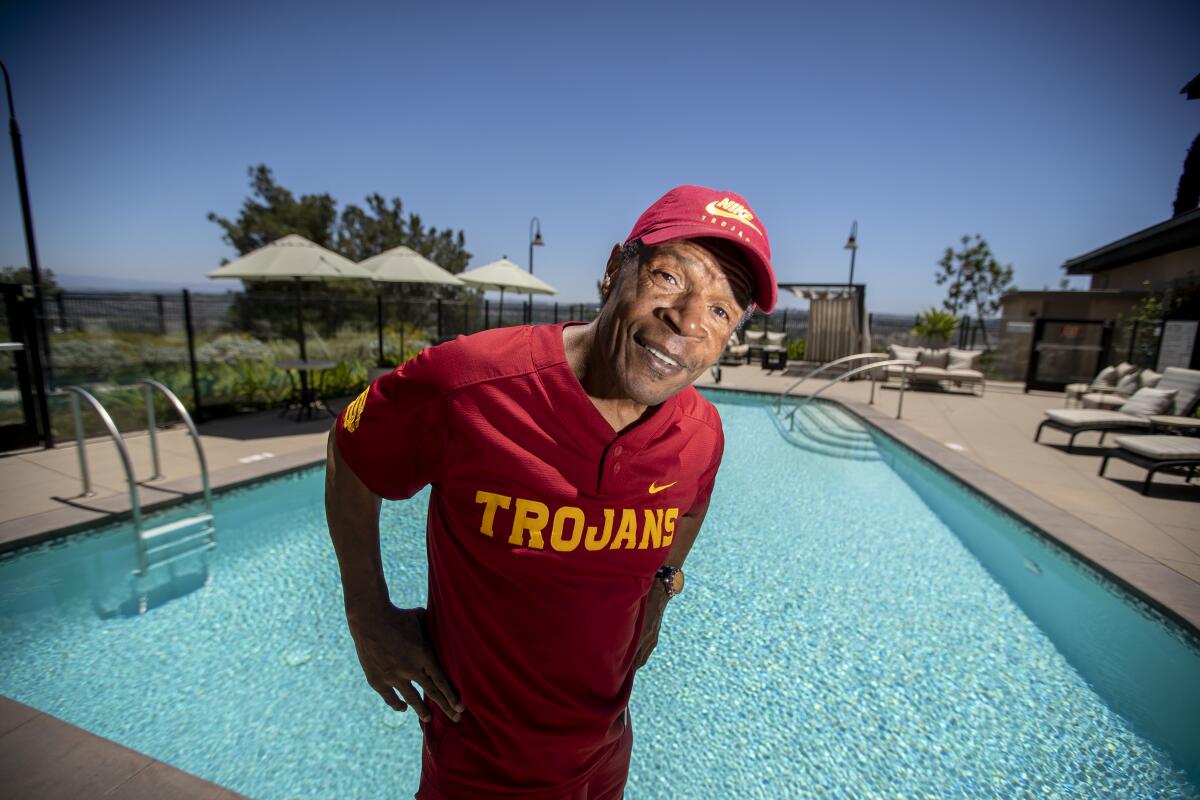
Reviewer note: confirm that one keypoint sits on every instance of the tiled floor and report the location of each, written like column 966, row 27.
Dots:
column 43, row 757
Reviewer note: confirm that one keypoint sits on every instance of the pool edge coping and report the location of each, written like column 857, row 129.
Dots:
column 1163, row 588
column 34, row 529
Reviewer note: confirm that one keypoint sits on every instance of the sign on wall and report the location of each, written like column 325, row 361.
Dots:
column 1178, row 344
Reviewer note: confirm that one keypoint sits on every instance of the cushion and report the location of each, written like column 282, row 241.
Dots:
column 1095, row 418
column 754, row 337
column 1104, row 400
column 1128, row 384
column 733, row 340
column 1106, row 377
column 1124, row 368
column 933, row 358
column 965, row 374
column 1162, row 448
column 899, row 351
column 776, row 339
column 962, row 359
column 1148, row 402
column 1187, row 383
column 1149, row 377
column 738, row 349
column 930, row 374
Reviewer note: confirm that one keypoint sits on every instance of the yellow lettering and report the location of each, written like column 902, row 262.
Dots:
column 556, row 533
column 626, row 534
column 489, row 512
column 652, row 529
column 531, row 516
column 669, row 526
column 591, row 542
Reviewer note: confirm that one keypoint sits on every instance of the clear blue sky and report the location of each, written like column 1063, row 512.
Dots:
column 1050, row 128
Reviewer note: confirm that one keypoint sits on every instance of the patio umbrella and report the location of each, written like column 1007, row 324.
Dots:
column 403, row 265
column 504, row 274
column 296, row 259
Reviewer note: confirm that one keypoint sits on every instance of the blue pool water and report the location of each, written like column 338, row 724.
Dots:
column 856, row 625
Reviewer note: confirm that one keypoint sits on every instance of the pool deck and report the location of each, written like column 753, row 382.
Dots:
column 1151, row 544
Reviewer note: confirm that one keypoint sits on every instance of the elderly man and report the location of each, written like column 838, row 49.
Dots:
column 571, row 468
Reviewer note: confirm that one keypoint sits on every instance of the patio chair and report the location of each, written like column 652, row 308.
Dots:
column 1176, row 394
column 1155, row 453
column 735, row 352
column 1105, row 381
column 1112, row 398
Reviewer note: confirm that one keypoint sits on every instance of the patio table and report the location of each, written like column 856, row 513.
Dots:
column 310, row 391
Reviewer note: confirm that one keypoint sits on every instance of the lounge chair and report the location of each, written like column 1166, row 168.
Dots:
column 735, row 352
column 1155, row 453
column 1105, row 382
column 1176, row 394
column 1113, row 397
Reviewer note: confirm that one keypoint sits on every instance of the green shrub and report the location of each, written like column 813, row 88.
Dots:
column 795, row 349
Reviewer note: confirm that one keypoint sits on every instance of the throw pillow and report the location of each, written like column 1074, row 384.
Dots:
column 776, row 339
column 1124, row 368
column 1148, row 402
column 962, row 359
column 899, row 351
column 1149, row 377
column 1128, row 385
column 754, row 337
column 1107, row 377
column 933, row 358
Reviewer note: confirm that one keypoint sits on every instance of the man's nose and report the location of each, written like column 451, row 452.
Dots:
column 686, row 315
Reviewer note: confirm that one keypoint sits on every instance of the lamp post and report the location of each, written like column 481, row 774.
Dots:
column 41, row 350
column 535, row 240
column 852, row 246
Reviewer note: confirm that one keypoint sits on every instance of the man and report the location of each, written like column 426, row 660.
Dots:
column 571, row 468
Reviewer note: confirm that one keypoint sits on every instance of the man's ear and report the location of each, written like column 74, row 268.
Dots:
column 610, row 270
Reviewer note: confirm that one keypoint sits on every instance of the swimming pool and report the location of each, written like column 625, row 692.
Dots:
column 856, row 625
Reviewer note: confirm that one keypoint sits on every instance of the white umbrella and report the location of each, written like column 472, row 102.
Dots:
column 403, row 265
column 292, row 258
column 504, row 274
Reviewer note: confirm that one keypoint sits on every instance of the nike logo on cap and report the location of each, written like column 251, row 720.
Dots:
column 655, row 489
column 732, row 209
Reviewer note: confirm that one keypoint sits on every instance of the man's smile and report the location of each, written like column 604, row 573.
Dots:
column 661, row 360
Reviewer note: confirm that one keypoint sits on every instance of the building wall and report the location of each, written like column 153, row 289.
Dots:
column 1021, row 309
column 1159, row 271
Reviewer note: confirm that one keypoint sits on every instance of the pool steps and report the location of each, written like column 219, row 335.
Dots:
column 823, row 429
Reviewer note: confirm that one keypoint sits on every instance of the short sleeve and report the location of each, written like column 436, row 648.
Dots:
column 396, row 435
column 708, row 478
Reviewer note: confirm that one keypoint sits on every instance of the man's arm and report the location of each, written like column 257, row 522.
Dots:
column 391, row 642
column 686, row 531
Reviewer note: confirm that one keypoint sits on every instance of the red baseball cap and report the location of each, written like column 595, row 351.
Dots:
column 691, row 212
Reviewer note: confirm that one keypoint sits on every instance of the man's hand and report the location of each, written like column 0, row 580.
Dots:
column 656, row 602
column 394, row 652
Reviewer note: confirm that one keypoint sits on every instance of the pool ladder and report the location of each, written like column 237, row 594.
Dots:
column 905, row 366
column 162, row 544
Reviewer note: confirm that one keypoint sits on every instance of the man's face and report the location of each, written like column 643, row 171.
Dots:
column 667, row 318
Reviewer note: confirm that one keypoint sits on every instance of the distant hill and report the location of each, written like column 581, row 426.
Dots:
column 79, row 283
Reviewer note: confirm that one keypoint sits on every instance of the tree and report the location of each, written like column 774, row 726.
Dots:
column 935, row 325
column 272, row 212
column 24, row 276
column 977, row 280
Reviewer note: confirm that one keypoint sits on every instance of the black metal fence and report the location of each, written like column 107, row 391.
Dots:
column 220, row 353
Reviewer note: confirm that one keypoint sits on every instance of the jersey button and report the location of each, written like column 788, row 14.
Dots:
column 616, row 468
column 618, row 450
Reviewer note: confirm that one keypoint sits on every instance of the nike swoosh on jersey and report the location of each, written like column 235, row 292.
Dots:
column 654, row 489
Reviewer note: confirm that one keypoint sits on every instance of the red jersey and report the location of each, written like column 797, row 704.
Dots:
column 545, row 530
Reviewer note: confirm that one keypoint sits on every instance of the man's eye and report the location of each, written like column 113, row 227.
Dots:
column 666, row 276
column 721, row 312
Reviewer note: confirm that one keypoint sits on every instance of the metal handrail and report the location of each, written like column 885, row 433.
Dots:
column 898, row 362
column 822, row 368
column 77, row 392
column 148, row 386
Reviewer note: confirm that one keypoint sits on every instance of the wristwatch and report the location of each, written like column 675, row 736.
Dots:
column 671, row 578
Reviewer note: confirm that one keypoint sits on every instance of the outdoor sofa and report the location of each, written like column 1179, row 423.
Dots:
column 1176, row 394
column 938, row 367
column 1155, row 453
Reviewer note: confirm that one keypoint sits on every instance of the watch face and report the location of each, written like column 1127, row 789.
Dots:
column 677, row 582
